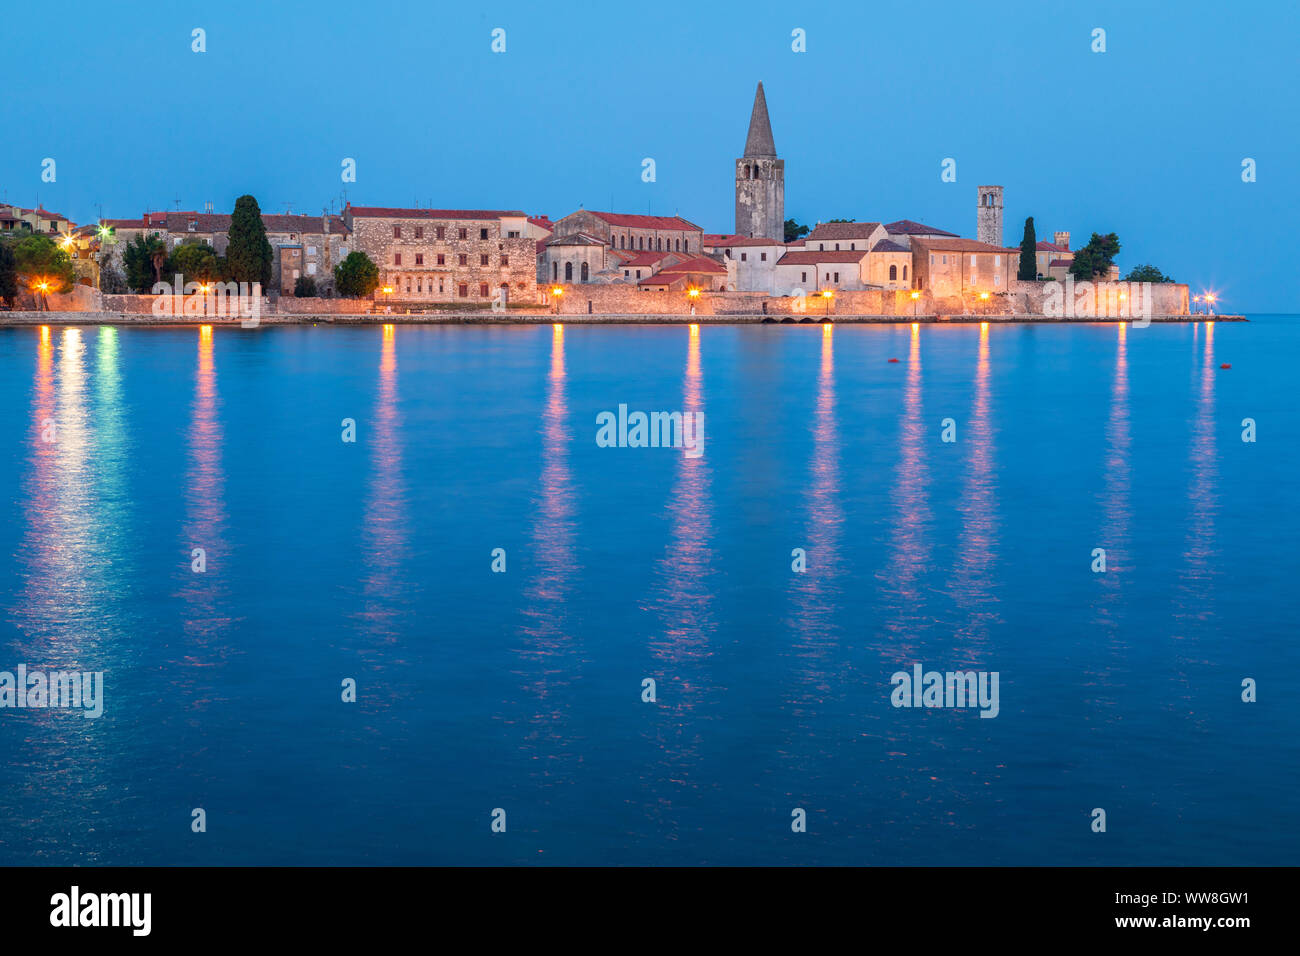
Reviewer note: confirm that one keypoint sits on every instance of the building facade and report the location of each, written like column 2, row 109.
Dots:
column 962, row 266
column 604, row 241
column 988, row 216
column 430, row 256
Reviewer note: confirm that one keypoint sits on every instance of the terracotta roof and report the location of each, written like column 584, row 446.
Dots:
column 650, row 258
column 812, row 257
column 888, row 245
column 1049, row 247
column 646, row 222
column 841, row 230
column 717, row 239
column 542, row 221
column 909, row 227
column 695, row 264
column 960, row 245
column 1060, row 262
column 394, row 212
column 46, row 214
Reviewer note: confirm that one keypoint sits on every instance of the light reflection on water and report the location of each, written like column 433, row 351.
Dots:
column 773, row 686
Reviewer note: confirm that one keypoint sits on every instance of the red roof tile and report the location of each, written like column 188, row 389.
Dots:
column 813, row 257
column 645, row 222
column 909, row 227
column 717, row 239
column 395, row 212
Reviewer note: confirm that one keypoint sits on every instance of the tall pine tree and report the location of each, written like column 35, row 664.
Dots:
column 1028, row 270
column 248, row 257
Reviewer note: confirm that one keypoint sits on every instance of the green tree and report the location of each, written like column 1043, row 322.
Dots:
column 794, row 231
column 38, row 258
column 304, row 287
column 1147, row 273
column 1096, row 258
column 841, row 220
column 143, row 258
column 248, row 256
column 356, row 276
column 1028, row 270
column 8, row 275
column 194, row 262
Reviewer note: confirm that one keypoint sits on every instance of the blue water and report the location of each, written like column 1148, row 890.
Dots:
column 521, row 690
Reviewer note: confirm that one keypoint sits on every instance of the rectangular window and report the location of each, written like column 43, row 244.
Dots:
column 442, row 232
column 311, row 250
column 972, row 262
column 397, row 258
column 505, row 260
column 803, row 277
column 397, row 232
column 837, row 277
column 419, row 258
column 442, row 260
column 482, row 234
column 997, row 279
column 997, row 262
column 464, row 291
column 464, row 259
column 483, row 260
column 311, row 268
column 744, row 257
column 419, row 232
column 464, row 233
column 482, row 289
column 762, row 256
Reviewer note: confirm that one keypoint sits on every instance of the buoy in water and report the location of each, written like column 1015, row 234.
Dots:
column 1225, row 365
column 893, row 360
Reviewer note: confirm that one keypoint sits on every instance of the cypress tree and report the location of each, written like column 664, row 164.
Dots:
column 1028, row 270
column 248, row 256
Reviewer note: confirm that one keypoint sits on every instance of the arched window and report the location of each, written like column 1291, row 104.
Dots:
column 756, row 171
column 893, row 273
column 746, row 171
column 568, row 272
column 611, row 240
column 622, row 242
column 904, row 273
column 643, row 242
column 555, row 271
column 677, row 245
column 584, row 272
column 661, row 244
column 686, row 245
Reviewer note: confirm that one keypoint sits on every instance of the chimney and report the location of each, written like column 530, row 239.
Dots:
column 207, row 207
column 1062, row 239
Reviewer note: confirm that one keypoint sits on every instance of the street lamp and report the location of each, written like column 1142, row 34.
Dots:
column 827, row 295
column 915, row 296
column 693, row 293
column 1210, row 298
column 42, row 286
column 556, row 292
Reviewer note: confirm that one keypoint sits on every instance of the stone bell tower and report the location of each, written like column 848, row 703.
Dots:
column 988, row 218
column 760, row 179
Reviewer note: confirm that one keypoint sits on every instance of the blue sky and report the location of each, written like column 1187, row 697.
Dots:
column 1146, row 139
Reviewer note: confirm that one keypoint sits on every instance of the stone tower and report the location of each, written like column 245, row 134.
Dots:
column 760, row 179
column 988, row 219
column 1061, row 239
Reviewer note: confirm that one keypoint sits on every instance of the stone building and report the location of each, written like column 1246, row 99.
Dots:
column 960, row 266
column 755, row 260
column 17, row 219
column 1047, row 254
column 813, row 269
column 844, row 236
column 428, row 256
column 703, row 273
column 905, row 230
column 988, row 216
column 889, row 265
column 760, row 179
column 576, row 238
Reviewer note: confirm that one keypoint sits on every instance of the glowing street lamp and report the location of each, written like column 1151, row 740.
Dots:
column 556, row 292
column 915, row 296
column 827, row 295
column 1210, row 299
column 42, row 286
column 693, row 294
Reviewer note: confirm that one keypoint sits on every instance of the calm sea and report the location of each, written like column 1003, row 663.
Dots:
column 328, row 560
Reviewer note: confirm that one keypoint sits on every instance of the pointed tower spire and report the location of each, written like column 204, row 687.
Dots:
column 759, row 141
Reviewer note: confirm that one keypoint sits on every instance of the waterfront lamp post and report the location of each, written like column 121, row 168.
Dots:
column 41, row 286
column 693, row 293
column 915, row 296
column 1210, row 298
column 827, row 295
column 555, row 299
column 984, row 303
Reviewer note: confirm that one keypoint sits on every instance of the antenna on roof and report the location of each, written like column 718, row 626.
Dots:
column 178, row 204
column 287, row 206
